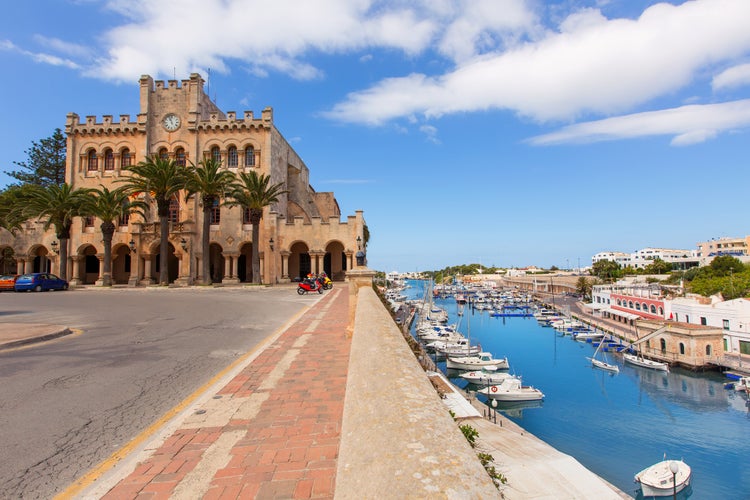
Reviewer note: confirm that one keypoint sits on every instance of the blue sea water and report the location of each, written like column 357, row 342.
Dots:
column 619, row 424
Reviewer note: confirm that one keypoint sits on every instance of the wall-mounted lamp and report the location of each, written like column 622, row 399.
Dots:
column 54, row 246
column 359, row 243
column 132, row 245
column 270, row 243
column 183, row 244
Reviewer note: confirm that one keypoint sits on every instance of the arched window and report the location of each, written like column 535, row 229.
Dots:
column 93, row 164
column 682, row 348
column 645, row 307
column 661, row 311
column 630, row 304
column 163, row 154
column 245, row 215
column 180, row 158
column 174, row 210
column 249, row 156
column 708, row 349
column 232, row 157
column 216, row 154
column 653, row 309
column 109, row 160
column 619, row 302
column 637, row 306
column 216, row 212
column 125, row 158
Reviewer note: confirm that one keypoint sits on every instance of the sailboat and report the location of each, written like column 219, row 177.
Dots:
column 639, row 360
column 597, row 363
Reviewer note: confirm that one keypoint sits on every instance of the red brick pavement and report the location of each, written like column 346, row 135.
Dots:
column 283, row 439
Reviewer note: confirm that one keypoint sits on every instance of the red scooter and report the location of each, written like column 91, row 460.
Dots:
column 308, row 285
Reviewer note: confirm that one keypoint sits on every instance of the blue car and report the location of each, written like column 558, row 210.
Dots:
column 39, row 282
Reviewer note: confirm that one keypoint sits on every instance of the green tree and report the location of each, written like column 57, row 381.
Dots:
column 605, row 269
column 109, row 206
column 161, row 178
column 11, row 209
column 45, row 165
column 211, row 183
column 724, row 265
column 56, row 206
column 659, row 266
column 255, row 192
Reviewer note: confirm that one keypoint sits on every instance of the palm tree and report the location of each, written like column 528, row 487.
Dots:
column 212, row 183
column 11, row 213
column 162, row 178
column 252, row 191
column 57, row 206
column 109, row 206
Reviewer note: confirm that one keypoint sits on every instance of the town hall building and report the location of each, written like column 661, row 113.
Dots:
column 301, row 233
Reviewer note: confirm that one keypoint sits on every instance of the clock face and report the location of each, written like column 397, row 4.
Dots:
column 171, row 122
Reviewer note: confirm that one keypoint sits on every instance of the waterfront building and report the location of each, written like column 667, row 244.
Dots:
column 736, row 247
column 301, row 233
column 621, row 258
column 640, row 259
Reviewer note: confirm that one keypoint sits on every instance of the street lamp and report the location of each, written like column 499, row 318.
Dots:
column 54, row 246
column 359, row 243
column 183, row 244
column 132, row 245
column 270, row 243
column 674, row 467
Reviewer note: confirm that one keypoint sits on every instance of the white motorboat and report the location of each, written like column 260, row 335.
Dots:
column 477, row 362
column 588, row 335
column 664, row 478
column 634, row 359
column 459, row 347
column 511, row 389
column 486, row 376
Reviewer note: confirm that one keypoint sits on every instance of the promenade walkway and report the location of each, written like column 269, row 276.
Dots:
column 335, row 405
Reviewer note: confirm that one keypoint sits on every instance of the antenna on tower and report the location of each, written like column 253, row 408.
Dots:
column 174, row 72
column 208, row 82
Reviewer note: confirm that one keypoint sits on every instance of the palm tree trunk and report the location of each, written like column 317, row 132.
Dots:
column 108, row 229
column 205, row 243
column 255, row 220
column 163, row 249
column 63, row 237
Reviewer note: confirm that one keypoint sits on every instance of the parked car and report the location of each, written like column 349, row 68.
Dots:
column 8, row 282
column 39, row 282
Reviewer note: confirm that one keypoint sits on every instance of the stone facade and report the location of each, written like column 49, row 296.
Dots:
column 301, row 233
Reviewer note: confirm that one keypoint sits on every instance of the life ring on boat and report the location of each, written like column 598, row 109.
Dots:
column 493, row 388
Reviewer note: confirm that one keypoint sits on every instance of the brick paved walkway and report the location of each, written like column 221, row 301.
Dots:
column 272, row 432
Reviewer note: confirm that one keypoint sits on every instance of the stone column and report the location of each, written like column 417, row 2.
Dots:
column 21, row 266
column 103, row 280
column 183, row 268
column 230, row 276
column 147, row 260
column 135, row 269
column 284, row 266
column 75, row 276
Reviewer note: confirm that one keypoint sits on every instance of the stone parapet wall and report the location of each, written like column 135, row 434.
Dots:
column 398, row 439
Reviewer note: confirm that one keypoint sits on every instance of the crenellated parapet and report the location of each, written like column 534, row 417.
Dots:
column 107, row 126
column 217, row 122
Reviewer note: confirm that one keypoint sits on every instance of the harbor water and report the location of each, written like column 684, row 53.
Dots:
column 617, row 424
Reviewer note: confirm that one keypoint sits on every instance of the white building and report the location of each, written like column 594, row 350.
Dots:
column 623, row 259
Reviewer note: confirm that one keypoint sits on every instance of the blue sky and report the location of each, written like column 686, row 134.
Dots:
column 505, row 132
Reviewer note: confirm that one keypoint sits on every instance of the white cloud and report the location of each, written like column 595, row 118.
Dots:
column 195, row 34
column 736, row 76
column 39, row 57
column 592, row 65
column 57, row 45
column 430, row 133
column 687, row 124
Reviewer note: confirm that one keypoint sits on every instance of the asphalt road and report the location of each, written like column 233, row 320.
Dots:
column 68, row 404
